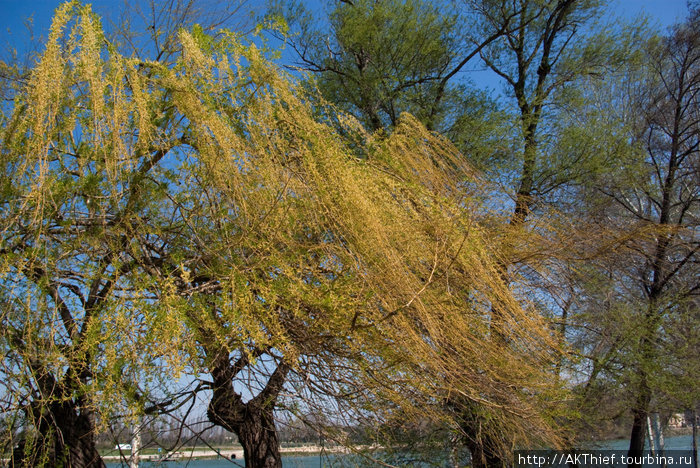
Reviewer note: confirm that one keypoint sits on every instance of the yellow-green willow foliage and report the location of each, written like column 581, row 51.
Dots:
column 150, row 209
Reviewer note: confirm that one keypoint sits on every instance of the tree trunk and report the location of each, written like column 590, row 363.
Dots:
column 651, row 436
column 482, row 456
column 135, row 446
column 66, row 439
column 695, row 439
column 253, row 421
column 483, row 445
column 640, row 413
column 76, row 438
column 659, row 434
column 638, row 435
column 640, row 410
column 258, row 436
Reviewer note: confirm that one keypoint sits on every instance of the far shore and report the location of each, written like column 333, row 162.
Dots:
column 233, row 453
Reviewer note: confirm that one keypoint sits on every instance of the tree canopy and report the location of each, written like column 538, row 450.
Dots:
column 201, row 216
column 377, row 247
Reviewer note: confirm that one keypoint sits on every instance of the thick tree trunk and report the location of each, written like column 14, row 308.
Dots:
column 255, row 427
column 483, row 445
column 258, row 436
column 66, row 439
column 253, row 421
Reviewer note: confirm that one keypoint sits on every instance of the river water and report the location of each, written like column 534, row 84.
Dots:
column 310, row 461
column 316, row 461
column 670, row 443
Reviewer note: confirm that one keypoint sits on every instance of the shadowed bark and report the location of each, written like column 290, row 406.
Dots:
column 253, row 421
column 66, row 439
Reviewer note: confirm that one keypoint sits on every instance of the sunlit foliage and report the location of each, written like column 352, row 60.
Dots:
column 157, row 217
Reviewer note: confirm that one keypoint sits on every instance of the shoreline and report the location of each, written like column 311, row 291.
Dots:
column 235, row 453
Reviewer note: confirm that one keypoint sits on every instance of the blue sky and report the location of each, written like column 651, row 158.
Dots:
column 665, row 12
column 13, row 33
column 13, row 12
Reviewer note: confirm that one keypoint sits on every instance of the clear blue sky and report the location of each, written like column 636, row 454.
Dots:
column 665, row 12
column 13, row 12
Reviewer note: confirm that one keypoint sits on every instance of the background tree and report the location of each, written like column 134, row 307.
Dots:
column 651, row 203
column 380, row 59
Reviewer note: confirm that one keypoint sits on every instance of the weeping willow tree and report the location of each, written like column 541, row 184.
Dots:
column 77, row 188
column 204, row 218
